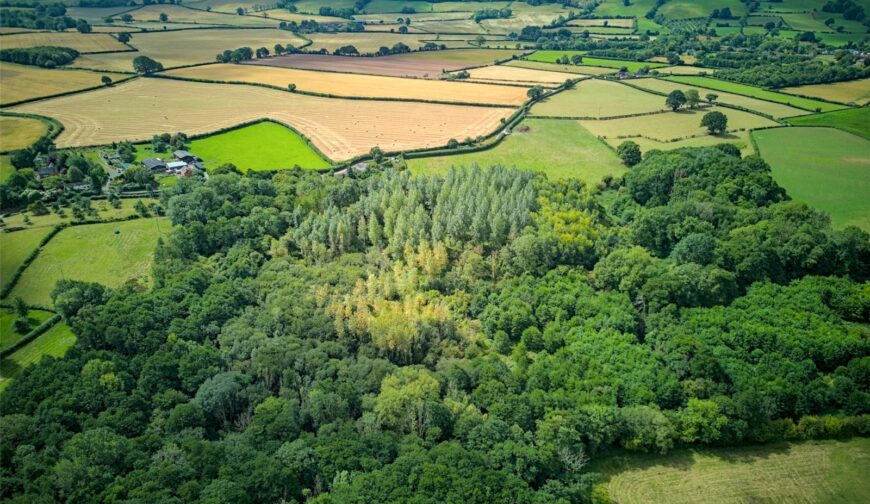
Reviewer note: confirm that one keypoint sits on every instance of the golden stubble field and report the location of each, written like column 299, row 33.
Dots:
column 24, row 82
column 81, row 42
column 502, row 73
column 19, row 132
column 357, row 85
column 341, row 128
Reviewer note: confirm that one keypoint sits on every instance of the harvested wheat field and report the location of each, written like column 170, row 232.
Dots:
column 81, row 42
column 519, row 75
column 426, row 64
column 178, row 48
column 364, row 42
column 138, row 109
column 179, row 14
column 19, row 132
column 555, row 67
column 24, row 82
column 854, row 91
column 363, row 86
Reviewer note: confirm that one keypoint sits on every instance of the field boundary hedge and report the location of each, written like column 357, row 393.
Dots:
column 327, row 95
column 32, row 335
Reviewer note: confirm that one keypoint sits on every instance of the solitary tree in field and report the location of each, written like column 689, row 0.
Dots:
column 146, row 65
column 711, row 97
column 291, row 87
column 693, row 98
column 127, row 18
column 124, row 37
column 715, row 122
column 675, row 100
column 106, row 80
column 240, row 11
column 403, row 29
column 164, row 17
column 480, row 40
column 629, row 153
column 535, row 92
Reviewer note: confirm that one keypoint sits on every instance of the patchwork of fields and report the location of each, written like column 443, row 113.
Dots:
column 350, row 128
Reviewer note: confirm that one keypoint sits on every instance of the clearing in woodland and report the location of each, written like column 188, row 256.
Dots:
column 347, row 129
column 25, row 82
column 363, row 86
column 832, row 472
column 596, row 98
column 530, row 146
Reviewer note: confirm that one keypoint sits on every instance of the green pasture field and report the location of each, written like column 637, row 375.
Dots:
column 467, row 6
column 555, row 67
column 16, row 247
column 756, row 92
column 740, row 139
column 105, row 211
column 557, row 147
column 262, row 146
column 671, row 126
column 599, row 98
column 682, row 9
column 8, row 335
column 815, row 22
column 122, row 257
column 855, row 121
column 384, row 6
column 6, row 168
column 686, row 70
column 825, row 167
column 833, row 472
column 55, row 342
column 552, row 56
column 765, row 107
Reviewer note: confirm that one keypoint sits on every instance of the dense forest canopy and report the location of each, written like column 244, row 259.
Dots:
column 476, row 337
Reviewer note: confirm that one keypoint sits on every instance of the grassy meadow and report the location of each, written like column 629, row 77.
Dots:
column 756, row 92
column 831, row 472
column 855, row 121
column 552, row 56
column 16, row 247
column 8, row 335
column 262, row 146
column 123, row 251
column 55, row 342
column 559, row 148
column 600, row 99
column 827, row 168
column 105, row 211
column 854, row 91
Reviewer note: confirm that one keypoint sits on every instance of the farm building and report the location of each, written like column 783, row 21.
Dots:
column 154, row 164
column 183, row 155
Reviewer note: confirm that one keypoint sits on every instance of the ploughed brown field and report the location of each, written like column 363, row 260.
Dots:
column 428, row 64
column 341, row 128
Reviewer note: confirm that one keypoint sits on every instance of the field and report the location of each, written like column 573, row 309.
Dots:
column 122, row 256
column 827, row 168
column 832, row 472
column 428, row 64
column 855, row 91
column 671, row 126
column 682, row 9
column 180, row 14
column 84, row 43
column 178, row 48
column 740, row 139
column 685, row 70
column 554, row 67
column 502, row 73
column 756, row 92
column 55, row 342
column 19, row 132
column 632, row 66
column 17, row 246
column 262, row 146
column 364, row 42
column 616, row 22
column 517, row 22
column 24, row 82
column 765, row 107
column 599, row 99
column 559, row 148
column 460, row 26
column 855, row 121
column 8, row 335
column 104, row 210
column 352, row 127
column 366, row 86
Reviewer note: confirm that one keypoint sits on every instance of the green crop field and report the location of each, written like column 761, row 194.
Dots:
column 262, row 146
column 123, row 251
column 6, row 168
column 756, row 92
column 827, row 168
column 55, row 342
column 855, row 121
column 16, row 247
column 832, row 472
column 559, row 148
column 682, row 9
column 632, row 66
column 8, row 335
column 599, row 98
